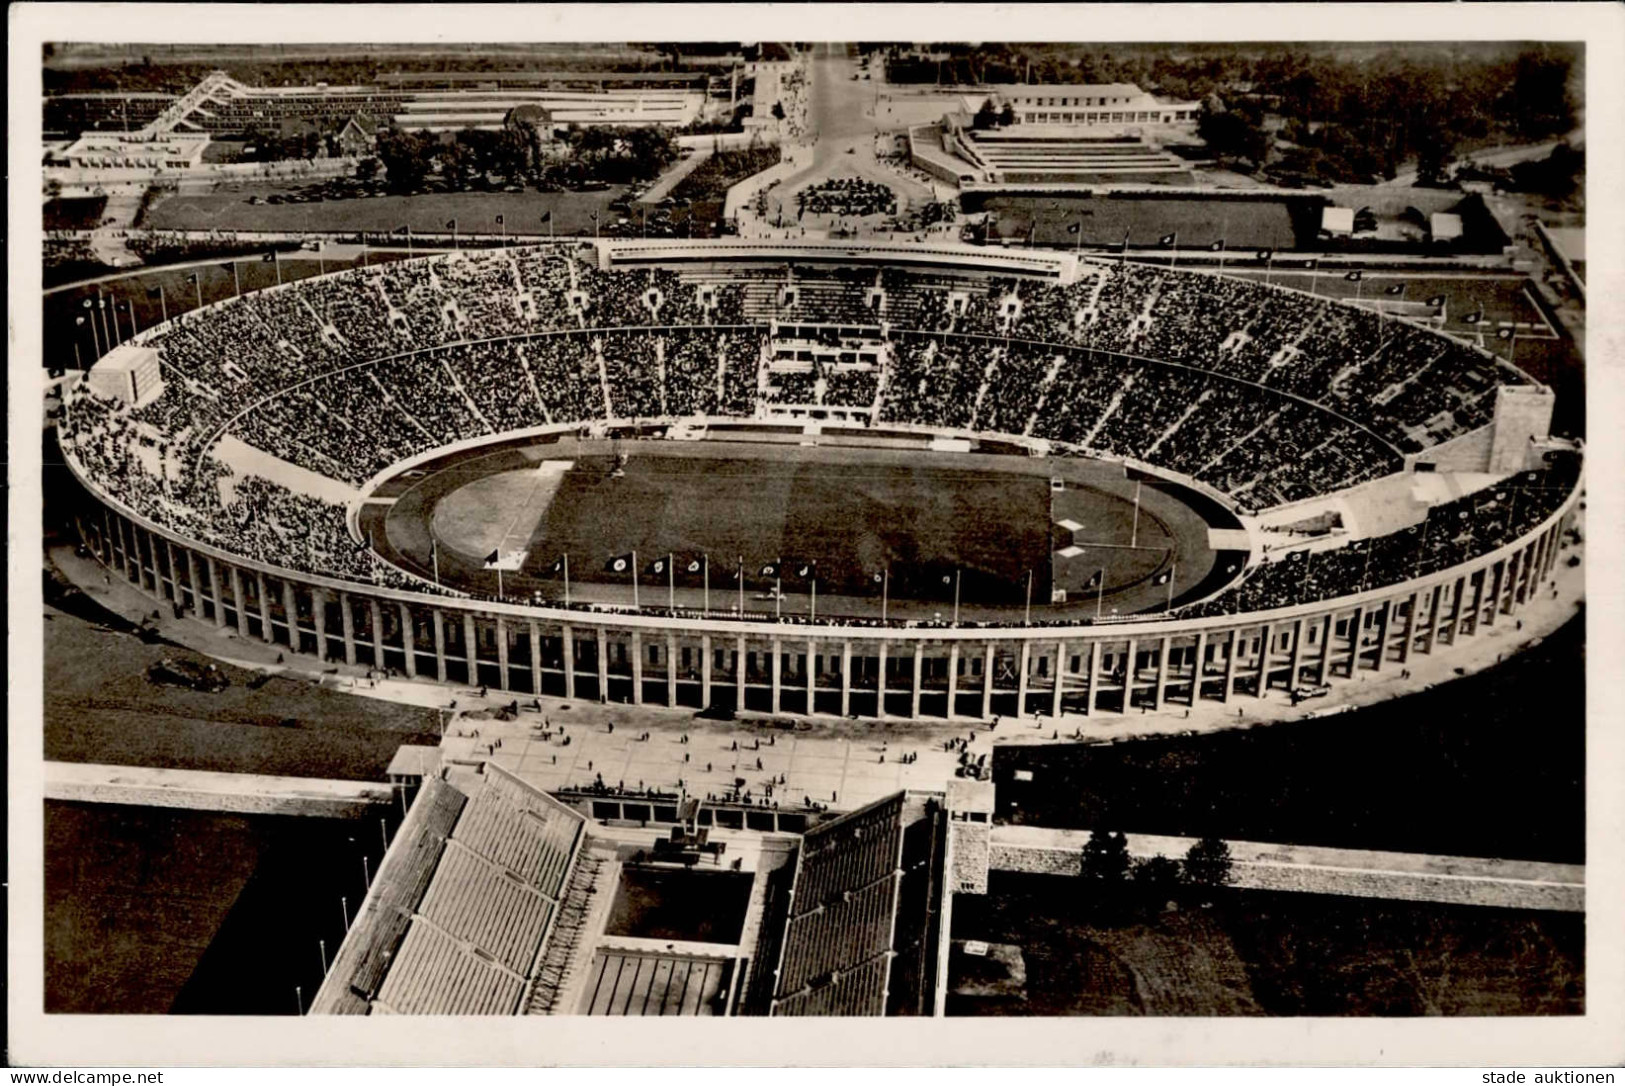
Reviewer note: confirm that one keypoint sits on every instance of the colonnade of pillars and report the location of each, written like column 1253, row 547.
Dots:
column 1120, row 669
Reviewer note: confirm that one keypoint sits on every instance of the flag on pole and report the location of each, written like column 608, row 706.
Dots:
column 1167, row 240
column 557, row 566
column 806, row 570
column 1074, row 228
column 401, row 230
column 510, row 561
column 1397, row 288
column 451, row 225
column 1161, row 578
column 1354, row 276
column 1093, row 581
column 769, row 569
column 1266, row 255
column 620, row 563
column 1473, row 318
column 153, row 292
column 1216, row 247
column 492, row 559
column 547, row 216
column 694, row 565
column 190, row 279
column 1505, row 333
column 1436, row 301
column 269, row 258
column 657, row 568
column 499, row 220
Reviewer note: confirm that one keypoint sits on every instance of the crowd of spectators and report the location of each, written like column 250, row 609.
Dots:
column 846, row 198
column 1269, row 396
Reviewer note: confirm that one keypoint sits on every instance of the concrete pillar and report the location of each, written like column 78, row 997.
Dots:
column 264, row 594
column 175, row 562
column 237, row 599
column 1094, row 678
column 637, row 667
column 812, row 677
column 1356, row 632
column 1435, row 596
column 739, row 672
column 1060, row 680
column 318, row 619
column 569, row 662
column 1232, row 649
column 1128, row 674
column 603, row 664
column 776, row 672
column 880, row 684
column 409, row 647
column 705, row 671
column 1162, row 672
column 439, row 622
column 846, row 678
column 471, row 648
column 1021, row 678
column 914, row 690
column 1385, row 622
column 216, row 594
column 502, row 653
column 1300, row 630
column 953, row 679
column 347, row 622
column 1407, row 646
column 290, row 604
column 671, row 670
column 375, row 616
column 987, row 681
column 533, row 631
column 1196, row 669
column 194, row 570
column 1478, row 603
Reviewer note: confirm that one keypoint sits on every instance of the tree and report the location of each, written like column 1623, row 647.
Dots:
column 1007, row 116
column 1158, row 874
column 778, row 111
column 1207, row 863
column 1105, row 857
column 986, row 117
column 366, row 169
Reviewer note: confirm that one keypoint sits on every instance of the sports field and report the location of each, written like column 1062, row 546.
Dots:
column 906, row 525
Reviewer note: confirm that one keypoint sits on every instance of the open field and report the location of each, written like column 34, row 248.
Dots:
column 1254, row 953
column 475, row 212
column 159, row 910
column 100, row 707
column 1049, row 219
column 1490, row 765
column 855, row 511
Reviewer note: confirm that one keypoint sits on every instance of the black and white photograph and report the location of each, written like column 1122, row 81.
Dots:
column 1074, row 526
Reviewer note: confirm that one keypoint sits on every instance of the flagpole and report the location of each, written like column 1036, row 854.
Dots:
column 1314, row 278
column 956, row 596
column 434, row 554
column 197, row 281
column 1173, row 569
column 163, row 303
column 812, row 615
column 740, row 577
column 635, row 605
column 236, row 282
column 1028, row 621
column 276, row 258
column 885, row 592
column 1269, row 263
column 778, row 590
column 500, row 594
column 1100, row 591
column 567, row 580
column 671, row 583
column 705, row 560
column 1173, row 261
column 95, row 336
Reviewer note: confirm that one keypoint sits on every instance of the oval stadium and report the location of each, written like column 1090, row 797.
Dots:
column 824, row 479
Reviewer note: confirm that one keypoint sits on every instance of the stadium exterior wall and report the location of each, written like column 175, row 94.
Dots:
column 693, row 662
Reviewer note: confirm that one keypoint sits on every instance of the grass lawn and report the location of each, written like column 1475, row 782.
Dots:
column 475, row 212
column 1256, row 953
column 100, row 707
column 852, row 519
column 1277, row 224
column 154, row 910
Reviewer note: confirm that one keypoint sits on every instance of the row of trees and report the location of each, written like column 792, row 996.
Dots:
column 1343, row 112
column 519, row 153
column 1106, row 861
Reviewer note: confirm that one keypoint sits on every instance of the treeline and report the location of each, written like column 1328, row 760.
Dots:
column 517, row 154
column 1349, row 112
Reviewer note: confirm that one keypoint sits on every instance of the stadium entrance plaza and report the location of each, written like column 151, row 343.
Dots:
column 835, row 762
